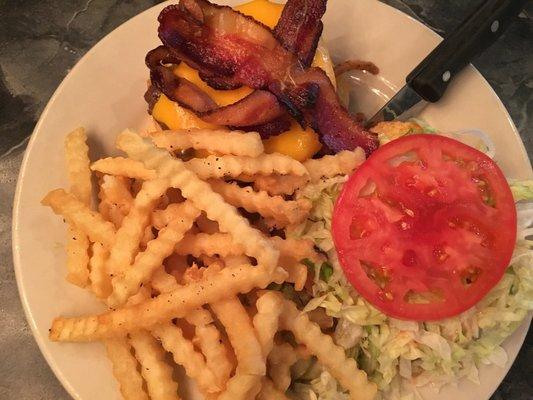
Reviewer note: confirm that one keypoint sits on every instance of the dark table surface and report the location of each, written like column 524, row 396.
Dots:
column 41, row 40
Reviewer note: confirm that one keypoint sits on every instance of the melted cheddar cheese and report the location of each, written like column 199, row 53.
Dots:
column 296, row 142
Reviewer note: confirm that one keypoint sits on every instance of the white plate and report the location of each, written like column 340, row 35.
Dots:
column 104, row 93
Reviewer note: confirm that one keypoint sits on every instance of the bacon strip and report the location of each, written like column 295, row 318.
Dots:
column 224, row 43
column 271, row 128
column 300, row 27
column 159, row 56
column 229, row 45
column 316, row 102
column 180, row 90
column 258, row 108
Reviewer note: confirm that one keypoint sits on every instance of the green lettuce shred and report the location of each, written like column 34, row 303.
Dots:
column 522, row 190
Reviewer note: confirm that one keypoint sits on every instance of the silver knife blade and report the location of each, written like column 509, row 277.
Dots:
column 404, row 105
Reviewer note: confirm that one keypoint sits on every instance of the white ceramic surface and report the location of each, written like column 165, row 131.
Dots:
column 104, row 93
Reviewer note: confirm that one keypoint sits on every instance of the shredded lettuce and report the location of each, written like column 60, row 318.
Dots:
column 522, row 190
column 400, row 356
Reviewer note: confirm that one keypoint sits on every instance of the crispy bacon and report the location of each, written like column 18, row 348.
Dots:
column 313, row 99
column 224, row 43
column 219, row 83
column 299, row 28
column 159, row 56
column 151, row 96
column 257, row 108
column 231, row 46
column 271, row 128
column 180, row 90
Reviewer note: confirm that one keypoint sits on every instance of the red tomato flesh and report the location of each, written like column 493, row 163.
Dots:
column 425, row 227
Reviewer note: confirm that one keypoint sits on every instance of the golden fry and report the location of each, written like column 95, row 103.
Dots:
column 126, row 167
column 266, row 321
column 198, row 244
column 155, row 370
column 129, row 235
column 100, row 279
column 77, row 257
column 184, row 354
column 214, row 141
column 77, row 160
column 269, row 391
column 161, row 218
column 175, row 304
column 200, row 193
column 297, row 274
column 343, row 163
column 242, row 387
column 125, row 371
column 276, row 185
column 282, row 211
column 234, row 166
column 78, row 214
column 328, row 353
column 115, row 198
column 79, row 175
column 149, row 260
column 281, row 359
column 239, row 328
column 297, row 249
column 207, row 335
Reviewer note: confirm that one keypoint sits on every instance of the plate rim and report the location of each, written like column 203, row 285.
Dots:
column 41, row 340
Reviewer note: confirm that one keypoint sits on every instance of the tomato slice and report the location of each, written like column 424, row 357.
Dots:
column 425, row 227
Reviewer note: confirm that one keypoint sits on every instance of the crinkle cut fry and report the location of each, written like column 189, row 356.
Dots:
column 214, row 141
column 281, row 359
column 161, row 218
column 269, row 391
column 242, row 387
column 126, row 167
column 155, row 370
column 266, row 321
column 331, row 356
column 202, row 196
column 245, row 384
column 131, row 231
column 77, row 250
column 184, row 354
column 199, row 244
column 298, row 249
column 233, row 166
column 297, row 274
column 125, row 371
column 242, row 336
column 206, row 333
column 100, row 280
column 292, row 251
column 342, row 163
column 115, row 198
column 156, row 251
column 79, row 175
column 77, row 160
column 166, row 306
column 78, row 214
column 284, row 212
column 276, row 185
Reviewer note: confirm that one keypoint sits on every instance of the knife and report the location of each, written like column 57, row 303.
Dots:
column 429, row 80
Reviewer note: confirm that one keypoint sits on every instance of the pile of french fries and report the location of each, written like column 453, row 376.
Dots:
column 181, row 247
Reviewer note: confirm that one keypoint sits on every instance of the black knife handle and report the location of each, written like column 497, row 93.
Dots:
column 480, row 29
